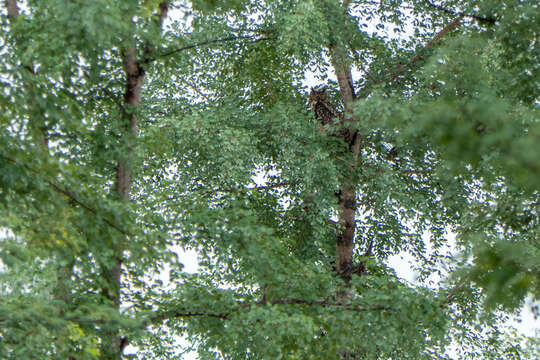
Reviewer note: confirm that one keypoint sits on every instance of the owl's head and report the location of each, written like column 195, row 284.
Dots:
column 317, row 96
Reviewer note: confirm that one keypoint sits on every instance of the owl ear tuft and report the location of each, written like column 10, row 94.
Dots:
column 321, row 89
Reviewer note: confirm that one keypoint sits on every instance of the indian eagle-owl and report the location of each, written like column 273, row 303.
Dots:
column 320, row 104
column 324, row 111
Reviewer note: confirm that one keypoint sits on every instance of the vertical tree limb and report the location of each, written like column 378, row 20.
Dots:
column 12, row 9
column 134, row 76
column 347, row 200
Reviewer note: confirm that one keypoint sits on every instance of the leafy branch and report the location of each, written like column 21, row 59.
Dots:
column 489, row 20
column 402, row 68
column 257, row 188
column 484, row 19
column 286, row 301
column 204, row 43
column 70, row 195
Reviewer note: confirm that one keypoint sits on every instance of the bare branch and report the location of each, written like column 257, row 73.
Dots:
column 276, row 185
column 454, row 24
column 114, row 98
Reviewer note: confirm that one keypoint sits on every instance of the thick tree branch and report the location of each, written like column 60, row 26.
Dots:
column 134, row 72
column 454, row 24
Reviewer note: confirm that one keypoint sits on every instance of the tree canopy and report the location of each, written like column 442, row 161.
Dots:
column 134, row 129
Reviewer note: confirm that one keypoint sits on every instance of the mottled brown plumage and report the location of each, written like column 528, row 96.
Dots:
column 327, row 115
column 320, row 105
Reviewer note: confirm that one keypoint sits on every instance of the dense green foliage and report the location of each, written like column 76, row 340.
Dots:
column 229, row 160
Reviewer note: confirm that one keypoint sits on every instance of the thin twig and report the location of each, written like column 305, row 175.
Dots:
column 74, row 199
column 276, row 185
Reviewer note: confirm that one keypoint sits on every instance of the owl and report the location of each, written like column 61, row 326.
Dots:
column 324, row 112
column 320, row 104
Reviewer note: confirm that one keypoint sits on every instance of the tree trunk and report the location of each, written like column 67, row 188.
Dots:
column 347, row 199
column 12, row 9
column 134, row 75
